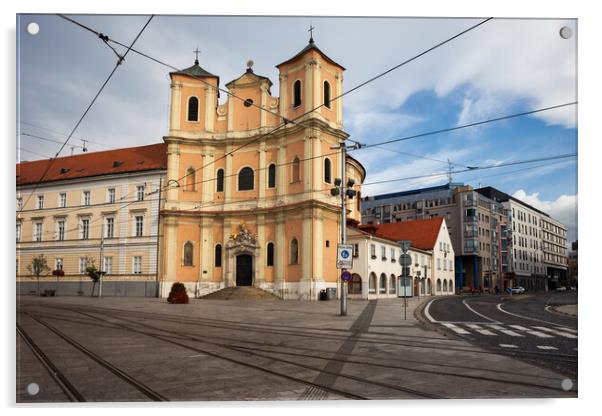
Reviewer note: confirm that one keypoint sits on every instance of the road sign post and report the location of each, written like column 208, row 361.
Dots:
column 405, row 260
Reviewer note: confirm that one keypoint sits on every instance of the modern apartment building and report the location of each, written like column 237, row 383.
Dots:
column 477, row 226
column 83, row 202
column 539, row 243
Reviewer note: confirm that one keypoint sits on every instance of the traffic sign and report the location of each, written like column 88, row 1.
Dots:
column 405, row 260
column 344, row 256
column 345, row 276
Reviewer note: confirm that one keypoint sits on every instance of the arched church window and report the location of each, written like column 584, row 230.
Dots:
column 193, row 109
column 272, row 176
column 188, row 252
column 327, row 94
column 218, row 255
column 297, row 93
column 245, row 179
column 294, row 251
column 190, row 180
column 327, row 169
column 270, row 254
column 296, row 170
column 220, row 181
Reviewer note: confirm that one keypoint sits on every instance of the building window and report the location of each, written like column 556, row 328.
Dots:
column 296, row 170
column 297, row 93
column 137, row 264
column 193, row 109
column 392, row 254
column 270, row 254
column 372, row 283
column 373, row 251
column 382, row 287
column 438, row 264
column 86, row 198
column 188, row 251
column 60, row 230
column 62, row 200
column 356, row 250
column 140, row 193
column 58, row 263
column 111, row 195
column 37, row 235
column 110, row 224
column 383, row 252
column 220, row 181
column 327, row 173
column 85, row 227
column 139, row 225
column 83, row 264
column 190, row 181
column 294, row 259
column 19, row 203
column 327, row 94
column 218, row 255
column 40, row 201
column 18, row 233
column 272, row 176
column 108, row 265
column 246, row 179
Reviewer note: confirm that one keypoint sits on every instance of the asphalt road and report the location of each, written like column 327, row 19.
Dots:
column 523, row 326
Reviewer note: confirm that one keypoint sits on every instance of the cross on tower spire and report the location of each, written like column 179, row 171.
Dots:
column 311, row 33
column 196, row 52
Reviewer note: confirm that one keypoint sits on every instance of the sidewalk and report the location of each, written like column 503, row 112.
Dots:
column 566, row 309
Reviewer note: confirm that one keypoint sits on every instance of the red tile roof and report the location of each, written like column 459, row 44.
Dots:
column 131, row 159
column 423, row 233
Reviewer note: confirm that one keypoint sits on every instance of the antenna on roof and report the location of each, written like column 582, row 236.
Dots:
column 85, row 149
column 449, row 171
column 72, row 148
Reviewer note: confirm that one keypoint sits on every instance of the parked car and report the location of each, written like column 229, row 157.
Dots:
column 518, row 290
column 561, row 289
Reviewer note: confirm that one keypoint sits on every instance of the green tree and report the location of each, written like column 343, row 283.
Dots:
column 38, row 267
column 93, row 272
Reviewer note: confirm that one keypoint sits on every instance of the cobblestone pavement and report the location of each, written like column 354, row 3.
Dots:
column 143, row 349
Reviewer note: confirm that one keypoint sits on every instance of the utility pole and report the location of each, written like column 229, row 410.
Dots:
column 344, row 187
column 405, row 261
column 157, row 292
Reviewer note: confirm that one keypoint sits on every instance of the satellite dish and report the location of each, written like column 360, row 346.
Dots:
column 250, row 63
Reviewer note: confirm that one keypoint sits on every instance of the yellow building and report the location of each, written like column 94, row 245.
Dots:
column 249, row 180
column 81, row 201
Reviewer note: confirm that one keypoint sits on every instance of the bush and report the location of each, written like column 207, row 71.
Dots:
column 178, row 293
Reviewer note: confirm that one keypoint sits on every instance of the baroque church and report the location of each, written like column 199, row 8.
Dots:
column 248, row 195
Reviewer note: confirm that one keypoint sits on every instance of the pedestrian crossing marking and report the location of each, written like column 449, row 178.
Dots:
column 456, row 329
column 518, row 331
column 556, row 332
column 481, row 330
column 546, row 347
column 508, row 346
column 565, row 329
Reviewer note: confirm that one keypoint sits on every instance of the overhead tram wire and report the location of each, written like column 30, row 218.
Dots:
column 48, row 139
column 310, row 111
column 119, row 62
column 63, row 135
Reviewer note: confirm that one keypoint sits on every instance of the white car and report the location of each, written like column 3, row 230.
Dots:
column 518, row 290
column 561, row 289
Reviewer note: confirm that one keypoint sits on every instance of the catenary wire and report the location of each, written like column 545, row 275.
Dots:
column 51, row 161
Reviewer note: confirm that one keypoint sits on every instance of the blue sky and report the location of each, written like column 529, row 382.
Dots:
column 503, row 67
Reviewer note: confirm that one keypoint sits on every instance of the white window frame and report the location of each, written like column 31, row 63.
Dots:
column 107, row 266
column 137, row 265
column 84, row 230
column 111, row 228
column 139, row 192
column 86, row 198
column 62, row 200
column 60, row 233
column 19, row 203
column 38, row 228
column 59, row 264
column 40, row 200
column 111, row 195
column 18, row 232
column 136, row 234
column 83, row 264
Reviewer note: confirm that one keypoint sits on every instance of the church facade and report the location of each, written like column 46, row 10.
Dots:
column 248, row 199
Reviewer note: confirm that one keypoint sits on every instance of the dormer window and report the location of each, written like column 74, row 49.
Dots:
column 193, row 109
column 297, row 93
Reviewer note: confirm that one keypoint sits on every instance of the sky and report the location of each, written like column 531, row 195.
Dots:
column 504, row 66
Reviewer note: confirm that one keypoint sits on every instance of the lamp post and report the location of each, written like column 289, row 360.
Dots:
column 344, row 188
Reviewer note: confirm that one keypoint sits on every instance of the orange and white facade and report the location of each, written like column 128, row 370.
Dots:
column 249, row 180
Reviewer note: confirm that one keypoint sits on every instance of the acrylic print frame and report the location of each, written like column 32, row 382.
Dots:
column 183, row 182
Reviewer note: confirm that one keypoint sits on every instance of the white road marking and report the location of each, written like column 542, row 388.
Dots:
column 520, row 328
column 481, row 330
column 426, row 311
column 562, row 328
column 197, row 355
column 546, row 347
column 455, row 328
column 499, row 307
column 508, row 346
column 531, row 332
column 480, row 314
column 556, row 332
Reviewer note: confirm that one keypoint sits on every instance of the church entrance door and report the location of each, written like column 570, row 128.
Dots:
column 244, row 270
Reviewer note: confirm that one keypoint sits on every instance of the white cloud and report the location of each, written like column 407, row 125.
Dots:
column 564, row 209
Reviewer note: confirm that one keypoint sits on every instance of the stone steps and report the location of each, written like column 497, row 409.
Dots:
column 241, row 293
